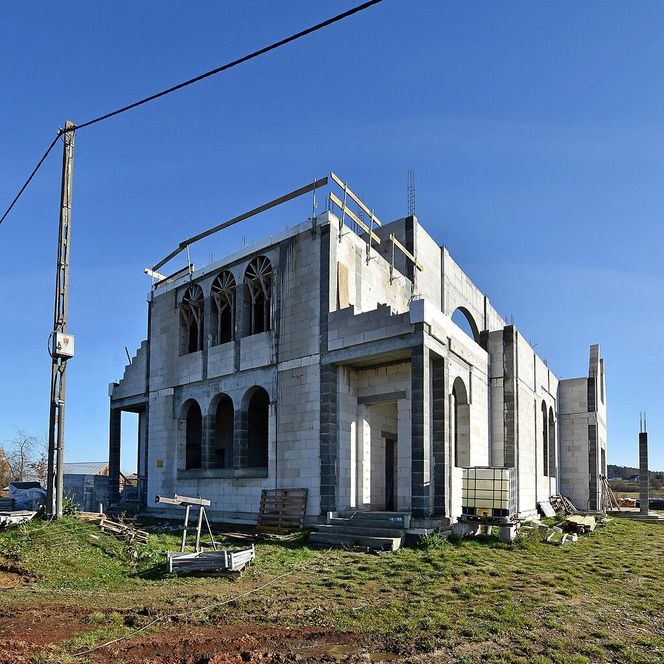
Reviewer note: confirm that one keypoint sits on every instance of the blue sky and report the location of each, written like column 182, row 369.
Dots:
column 536, row 132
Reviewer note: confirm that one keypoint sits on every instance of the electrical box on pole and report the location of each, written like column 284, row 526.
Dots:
column 61, row 347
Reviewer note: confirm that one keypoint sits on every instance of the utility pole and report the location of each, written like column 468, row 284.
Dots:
column 61, row 346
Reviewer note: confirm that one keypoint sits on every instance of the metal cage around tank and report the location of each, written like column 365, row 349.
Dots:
column 489, row 493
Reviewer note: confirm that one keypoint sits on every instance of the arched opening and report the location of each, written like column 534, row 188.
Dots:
column 461, row 423
column 257, row 428
column 545, row 438
column 258, row 293
column 464, row 319
column 224, row 423
column 193, row 436
column 552, row 444
column 223, row 308
column 191, row 320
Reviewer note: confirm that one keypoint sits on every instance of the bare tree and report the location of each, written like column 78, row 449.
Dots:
column 24, row 458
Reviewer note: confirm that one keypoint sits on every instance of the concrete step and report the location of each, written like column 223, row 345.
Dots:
column 388, row 519
column 344, row 539
column 370, row 528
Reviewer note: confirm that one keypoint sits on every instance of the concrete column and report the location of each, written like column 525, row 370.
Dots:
column 644, row 480
column 207, row 441
column 420, row 463
column 240, row 438
column 593, row 469
column 438, row 435
column 114, row 445
column 142, row 468
column 328, row 438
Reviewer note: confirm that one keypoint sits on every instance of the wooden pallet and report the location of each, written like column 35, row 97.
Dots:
column 282, row 510
column 7, row 504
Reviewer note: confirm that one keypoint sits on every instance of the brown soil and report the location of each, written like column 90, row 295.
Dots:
column 12, row 576
column 27, row 631
column 233, row 644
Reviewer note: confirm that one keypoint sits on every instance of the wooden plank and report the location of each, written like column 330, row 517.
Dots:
column 241, row 217
column 356, row 198
column 354, row 217
column 407, row 253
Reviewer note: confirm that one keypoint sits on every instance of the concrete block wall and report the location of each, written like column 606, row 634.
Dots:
column 298, row 432
column 368, row 284
column 133, row 380
column 458, row 290
column 221, row 360
column 299, row 284
column 583, row 434
column 348, row 328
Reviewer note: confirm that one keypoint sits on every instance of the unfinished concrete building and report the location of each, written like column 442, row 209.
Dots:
column 326, row 357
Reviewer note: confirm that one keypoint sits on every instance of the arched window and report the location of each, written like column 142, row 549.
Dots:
column 257, row 428
column 223, row 432
column 193, row 436
column 464, row 319
column 552, row 444
column 545, row 438
column 191, row 320
column 258, row 280
column 223, row 308
column 461, row 419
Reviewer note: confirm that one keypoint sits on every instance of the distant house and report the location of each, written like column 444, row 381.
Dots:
column 87, row 468
column 86, row 484
column 633, row 478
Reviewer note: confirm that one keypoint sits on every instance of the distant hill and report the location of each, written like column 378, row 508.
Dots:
column 628, row 471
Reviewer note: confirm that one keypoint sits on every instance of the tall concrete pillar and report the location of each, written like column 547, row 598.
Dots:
column 240, row 438
column 421, row 462
column 142, row 467
column 328, row 438
column 114, row 444
column 438, row 403
column 644, row 480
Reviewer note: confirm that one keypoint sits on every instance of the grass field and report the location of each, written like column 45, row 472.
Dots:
column 601, row 599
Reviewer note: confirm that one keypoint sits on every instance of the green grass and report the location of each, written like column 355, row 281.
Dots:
column 598, row 600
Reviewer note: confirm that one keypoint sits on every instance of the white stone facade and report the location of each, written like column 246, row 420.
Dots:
column 348, row 377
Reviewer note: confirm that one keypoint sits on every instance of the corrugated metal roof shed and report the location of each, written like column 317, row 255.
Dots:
column 86, row 468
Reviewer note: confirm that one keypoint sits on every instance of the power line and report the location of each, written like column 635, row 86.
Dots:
column 191, row 81
column 27, row 182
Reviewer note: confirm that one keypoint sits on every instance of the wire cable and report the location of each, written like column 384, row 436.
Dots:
column 234, row 63
column 34, row 172
column 191, row 81
column 207, row 607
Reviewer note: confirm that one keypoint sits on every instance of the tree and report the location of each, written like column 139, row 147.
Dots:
column 23, row 458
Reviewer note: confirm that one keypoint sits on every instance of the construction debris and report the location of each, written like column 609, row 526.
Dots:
column 117, row 529
column 627, row 502
column 15, row 518
column 546, row 508
column 580, row 524
column 563, row 504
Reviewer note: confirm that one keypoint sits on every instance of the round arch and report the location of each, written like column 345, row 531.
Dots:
column 222, row 424
column 256, row 403
column 464, row 319
column 192, row 418
column 460, row 423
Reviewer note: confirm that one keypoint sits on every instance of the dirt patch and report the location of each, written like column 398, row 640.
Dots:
column 13, row 576
column 234, row 644
column 25, row 630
